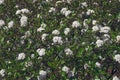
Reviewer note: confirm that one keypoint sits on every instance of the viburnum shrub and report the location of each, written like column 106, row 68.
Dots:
column 59, row 39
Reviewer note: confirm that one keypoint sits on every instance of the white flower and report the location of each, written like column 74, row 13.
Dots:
column 1, row 2
column 40, row 29
column 65, row 69
column 63, row 10
column 25, row 10
column 117, row 57
column 105, row 29
column 99, row 43
column 52, row 9
column 67, row 13
column 85, row 23
column 27, row 33
column 57, row 39
column 55, row 32
column 21, row 56
column 66, row 31
column 23, row 20
column 18, row 12
column 42, row 72
column 28, row 64
column 106, row 37
column 95, row 28
column 94, row 22
column 44, row 36
column 84, row 4
column 2, row 23
column 2, row 72
column 41, row 51
column 68, row 51
column 71, row 74
column 118, row 38
column 42, row 75
column 22, row 11
column 43, row 25
column 89, row 12
column 98, row 64
column 76, row 24
column 10, row 24
column 115, row 78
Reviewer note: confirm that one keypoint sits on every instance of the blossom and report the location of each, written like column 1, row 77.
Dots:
column 44, row 36
column 1, row 2
column 18, row 12
column 2, row 23
column 42, row 75
column 27, row 33
column 117, row 57
column 55, row 32
column 2, row 72
column 89, row 12
column 98, row 64
column 68, row 51
column 23, row 20
column 25, row 10
column 65, row 69
column 66, row 31
column 115, row 78
column 52, row 9
column 21, row 56
column 10, row 24
column 22, row 11
column 76, row 24
column 84, row 4
column 118, row 38
column 95, row 28
column 41, row 51
column 57, row 39
column 65, row 12
column 105, row 29
column 28, row 64
column 40, row 29
column 99, row 43
column 94, row 22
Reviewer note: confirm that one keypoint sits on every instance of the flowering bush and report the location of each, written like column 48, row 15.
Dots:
column 59, row 39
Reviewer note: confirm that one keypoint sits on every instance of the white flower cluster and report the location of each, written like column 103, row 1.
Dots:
column 118, row 39
column 55, row 32
column 76, row 24
column 23, row 21
column 66, row 31
column 99, row 43
column 68, row 51
column 10, row 24
column 58, row 40
column 21, row 56
column 41, row 51
column 90, row 11
column 66, row 69
column 1, row 2
column 22, row 11
column 52, row 9
column 42, row 27
column 65, row 12
column 117, row 58
column 115, row 78
column 42, row 75
column 2, row 72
